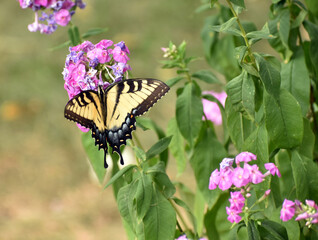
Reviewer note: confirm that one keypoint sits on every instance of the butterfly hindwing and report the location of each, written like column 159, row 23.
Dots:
column 110, row 113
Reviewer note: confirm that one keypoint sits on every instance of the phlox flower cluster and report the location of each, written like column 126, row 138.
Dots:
column 239, row 177
column 211, row 109
column 307, row 212
column 53, row 13
column 88, row 66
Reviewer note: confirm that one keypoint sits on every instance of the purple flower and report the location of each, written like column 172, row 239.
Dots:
column 237, row 201
column 255, row 175
column 225, row 180
column 288, row 210
column 214, row 179
column 123, row 47
column 62, row 17
column 233, row 215
column 104, row 44
column 240, row 177
column 119, row 55
column 271, row 167
column 244, row 157
column 226, row 163
column 211, row 109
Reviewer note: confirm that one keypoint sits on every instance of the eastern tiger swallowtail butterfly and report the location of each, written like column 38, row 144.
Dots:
column 110, row 113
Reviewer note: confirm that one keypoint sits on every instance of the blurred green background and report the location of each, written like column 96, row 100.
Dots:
column 47, row 190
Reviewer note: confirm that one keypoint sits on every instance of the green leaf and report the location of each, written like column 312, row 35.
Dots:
column 284, row 26
column 160, row 221
column 94, row 31
column 257, row 143
column 139, row 153
column 295, row 79
column 158, row 147
column 284, row 121
column 143, row 196
column 189, row 111
column 239, row 128
column 96, row 158
column 199, row 209
column 120, row 173
column 185, row 207
column 177, row 145
column 272, row 230
column 162, row 180
column 312, row 30
column 312, row 7
column 239, row 3
column 300, row 176
column 122, row 202
column 269, row 76
column 253, row 233
column 174, row 81
column 228, row 27
column 206, row 76
column 241, row 93
column 207, row 154
column 255, row 36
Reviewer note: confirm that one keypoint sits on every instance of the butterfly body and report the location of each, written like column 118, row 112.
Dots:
column 110, row 113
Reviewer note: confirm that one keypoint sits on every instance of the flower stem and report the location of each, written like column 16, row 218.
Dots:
column 242, row 31
column 179, row 216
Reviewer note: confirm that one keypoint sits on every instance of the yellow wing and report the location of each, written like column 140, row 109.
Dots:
column 131, row 96
column 86, row 109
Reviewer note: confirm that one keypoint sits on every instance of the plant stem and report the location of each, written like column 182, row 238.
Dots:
column 178, row 214
column 242, row 31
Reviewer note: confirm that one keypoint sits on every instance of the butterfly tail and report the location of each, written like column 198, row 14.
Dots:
column 105, row 162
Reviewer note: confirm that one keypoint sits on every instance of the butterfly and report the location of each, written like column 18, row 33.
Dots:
column 110, row 113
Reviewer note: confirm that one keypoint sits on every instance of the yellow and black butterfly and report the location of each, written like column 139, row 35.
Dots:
column 110, row 113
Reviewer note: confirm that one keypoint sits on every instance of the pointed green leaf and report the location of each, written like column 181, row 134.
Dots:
column 239, row 3
column 241, row 93
column 228, row 27
column 284, row 121
column 206, row 76
column 158, row 147
column 207, row 154
column 269, row 76
column 93, row 32
column 160, row 221
column 300, row 176
column 272, row 230
column 185, row 207
column 295, row 79
column 96, row 158
column 143, row 196
column 174, row 81
column 189, row 111
column 253, row 233
column 177, row 145
column 119, row 174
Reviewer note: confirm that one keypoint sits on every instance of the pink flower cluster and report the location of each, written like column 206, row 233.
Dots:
column 211, row 109
column 240, row 177
column 308, row 211
column 88, row 66
column 60, row 13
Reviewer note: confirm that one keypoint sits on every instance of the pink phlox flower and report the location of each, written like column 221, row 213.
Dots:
column 288, row 210
column 214, row 179
column 255, row 175
column 237, row 201
column 83, row 129
column 233, row 215
column 225, row 179
column 267, row 192
column 62, row 17
column 79, row 73
column 226, row 163
column 301, row 216
column 271, row 167
column 85, row 46
column 25, row 3
column 98, row 53
column 104, row 44
column 240, row 177
column 119, row 55
column 311, row 204
column 211, row 109
column 123, row 47
column 68, row 4
column 44, row 3
column 244, row 157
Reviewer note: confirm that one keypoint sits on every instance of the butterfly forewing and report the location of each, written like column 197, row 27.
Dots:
column 85, row 109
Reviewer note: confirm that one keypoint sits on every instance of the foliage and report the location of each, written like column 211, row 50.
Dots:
column 271, row 111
